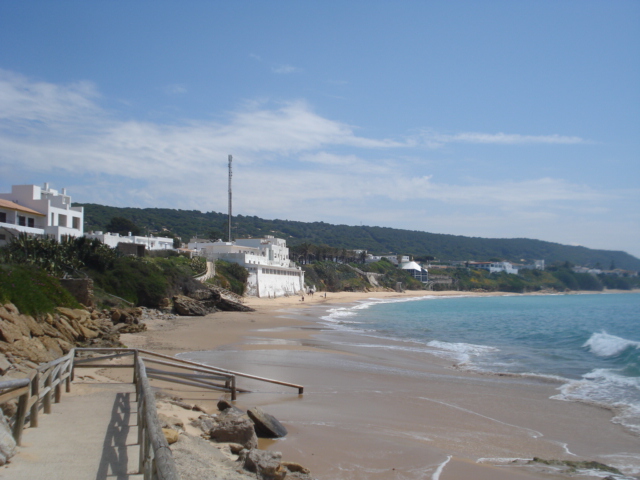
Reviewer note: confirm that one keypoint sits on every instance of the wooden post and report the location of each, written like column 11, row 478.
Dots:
column 47, row 396
column 23, row 403
column 58, row 389
column 35, row 392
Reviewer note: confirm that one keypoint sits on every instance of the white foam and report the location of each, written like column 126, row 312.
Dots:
column 604, row 345
column 436, row 474
column 606, row 388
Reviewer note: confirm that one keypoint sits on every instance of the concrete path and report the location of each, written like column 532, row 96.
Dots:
column 91, row 434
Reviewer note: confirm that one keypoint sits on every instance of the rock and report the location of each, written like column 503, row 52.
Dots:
column 52, row 346
column 132, row 328
column 7, row 443
column 235, row 448
column 265, row 464
column 204, row 423
column 34, row 327
column 226, row 406
column 9, row 332
column 234, row 429
column 14, row 318
column 31, row 349
column 171, row 435
column 266, row 425
column 295, row 467
column 188, row 306
column 167, row 421
column 5, row 365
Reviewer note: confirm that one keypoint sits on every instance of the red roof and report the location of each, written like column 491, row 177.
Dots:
column 14, row 206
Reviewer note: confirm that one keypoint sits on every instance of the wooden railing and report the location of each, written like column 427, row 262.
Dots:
column 156, row 462
column 36, row 391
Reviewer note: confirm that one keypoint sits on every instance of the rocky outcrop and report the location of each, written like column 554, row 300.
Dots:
column 190, row 307
column 25, row 339
column 7, row 443
column 266, row 425
column 232, row 428
column 265, row 464
column 205, row 301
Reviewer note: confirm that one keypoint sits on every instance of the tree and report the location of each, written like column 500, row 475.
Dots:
column 122, row 226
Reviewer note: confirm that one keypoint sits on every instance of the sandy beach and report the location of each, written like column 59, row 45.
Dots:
column 388, row 413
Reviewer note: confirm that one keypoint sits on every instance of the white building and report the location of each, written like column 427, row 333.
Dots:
column 416, row 271
column 271, row 273
column 495, row 267
column 38, row 211
column 395, row 259
column 150, row 242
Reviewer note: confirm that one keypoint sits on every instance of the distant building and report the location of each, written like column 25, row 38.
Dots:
column 38, row 211
column 494, row 267
column 271, row 272
column 416, row 271
column 395, row 259
column 150, row 242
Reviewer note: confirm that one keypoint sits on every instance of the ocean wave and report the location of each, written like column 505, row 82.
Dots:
column 604, row 345
column 606, row 388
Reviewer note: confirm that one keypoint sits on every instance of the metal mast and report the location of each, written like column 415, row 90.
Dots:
column 230, row 195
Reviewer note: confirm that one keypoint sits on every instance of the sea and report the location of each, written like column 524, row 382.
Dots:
column 588, row 343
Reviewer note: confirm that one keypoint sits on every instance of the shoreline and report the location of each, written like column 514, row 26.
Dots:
column 356, row 403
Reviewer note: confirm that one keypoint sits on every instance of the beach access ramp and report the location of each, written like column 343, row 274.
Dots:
column 101, row 430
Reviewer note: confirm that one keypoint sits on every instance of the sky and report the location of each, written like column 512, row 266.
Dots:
column 495, row 119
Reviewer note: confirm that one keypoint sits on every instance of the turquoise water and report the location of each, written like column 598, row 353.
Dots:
column 590, row 343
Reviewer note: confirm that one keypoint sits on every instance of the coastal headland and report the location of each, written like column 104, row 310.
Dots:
column 388, row 413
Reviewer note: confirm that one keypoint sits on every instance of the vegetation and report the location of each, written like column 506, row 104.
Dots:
column 230, row 276
column 376, row 240
column 32, row 290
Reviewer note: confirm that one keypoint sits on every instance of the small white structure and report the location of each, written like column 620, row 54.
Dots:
column 271, row 273
column 395, row 259
column 416, row 271
column 150, row 242
column 495, row 267
column 39, row 211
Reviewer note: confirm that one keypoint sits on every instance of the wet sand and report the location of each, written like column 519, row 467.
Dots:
column 387, row 413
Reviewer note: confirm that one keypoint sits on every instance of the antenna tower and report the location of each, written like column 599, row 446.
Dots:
column 230, row 195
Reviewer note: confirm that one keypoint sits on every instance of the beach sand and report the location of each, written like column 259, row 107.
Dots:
column 386, row 413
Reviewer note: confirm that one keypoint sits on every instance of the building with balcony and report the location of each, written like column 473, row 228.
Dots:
column 39, row 211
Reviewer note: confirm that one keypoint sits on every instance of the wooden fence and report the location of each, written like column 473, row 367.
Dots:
column 156, row 462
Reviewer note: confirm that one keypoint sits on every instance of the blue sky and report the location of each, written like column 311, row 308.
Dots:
column 492, row 118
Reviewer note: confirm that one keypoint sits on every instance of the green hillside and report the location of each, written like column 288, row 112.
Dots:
column 376, row 240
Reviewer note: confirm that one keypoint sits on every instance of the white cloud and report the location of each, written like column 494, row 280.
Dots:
column 285, row 69
column 290, row 162
column 437, row 139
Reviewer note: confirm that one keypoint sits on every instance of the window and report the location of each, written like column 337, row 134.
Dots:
column 31, row 222
column 22, row 221
column 3, row 217
column 3, row 236
column 62, row 220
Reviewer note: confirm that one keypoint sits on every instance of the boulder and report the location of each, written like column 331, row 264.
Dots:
column 171, row 435
column 34, row 327
column 295, row 467
column 5, row 365
column 9, row 332
column 264, row 463
column 52, row 346
column 266, row 425
column 7, row 443
column 14, row 318
column 234, row 429
column 31, row 349
column 228, row 407
column 187, row 306
column 204, row 423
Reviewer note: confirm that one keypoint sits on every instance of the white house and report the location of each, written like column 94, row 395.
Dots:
column 150, row 242
column 271, row 272
column 416, row 271
column 395, row 259
column 38, row 211
column 495, row 267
